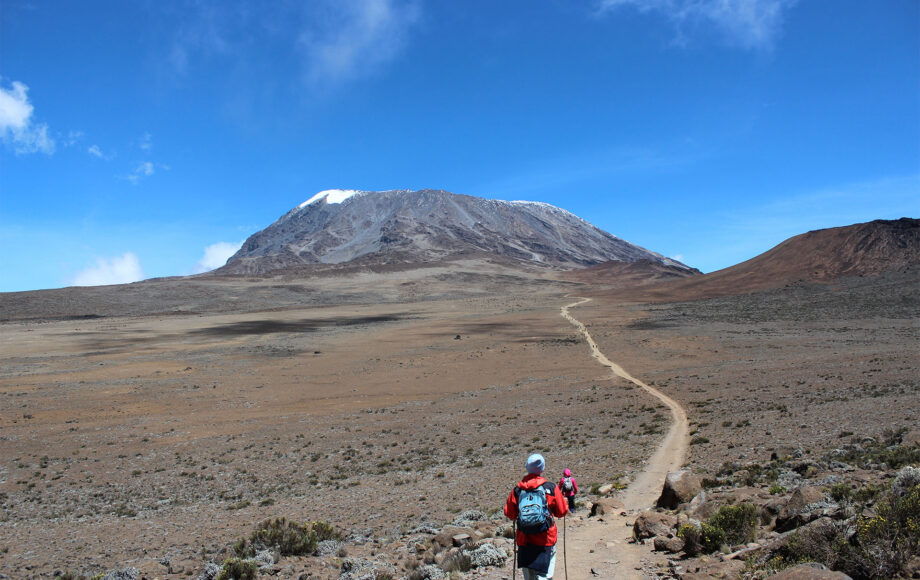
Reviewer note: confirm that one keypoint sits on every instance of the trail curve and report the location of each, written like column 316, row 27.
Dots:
column 590, row 554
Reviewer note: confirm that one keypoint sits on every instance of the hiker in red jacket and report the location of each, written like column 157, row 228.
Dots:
column 532, row 504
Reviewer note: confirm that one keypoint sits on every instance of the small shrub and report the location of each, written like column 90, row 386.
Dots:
column 777, row 489
column 737, row 522
column 238, row 569
column 690, row 534
column 286, row 537
column 705, row 539
column 840, row 492
column 457, row 562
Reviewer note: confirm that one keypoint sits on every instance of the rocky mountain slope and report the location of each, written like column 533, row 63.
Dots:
column 820, row 256
column 337, row 226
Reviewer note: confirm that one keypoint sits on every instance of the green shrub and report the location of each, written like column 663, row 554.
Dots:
column 286, row 537
column 884, row 542
column 705, row 539
column 777, row 489
column 737, row 522
column 237, row 569
column 690, row 534
column 840, row 492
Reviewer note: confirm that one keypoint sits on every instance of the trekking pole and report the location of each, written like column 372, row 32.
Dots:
column 565, row 559
column 514, row 543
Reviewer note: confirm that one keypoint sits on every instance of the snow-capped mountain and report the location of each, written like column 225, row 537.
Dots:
column 338, row 226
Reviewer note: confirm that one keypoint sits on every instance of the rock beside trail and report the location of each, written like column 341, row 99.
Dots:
column 671, row 545
column 651, row 524
column 679, row 487
column 606, row 506
column 810, row 571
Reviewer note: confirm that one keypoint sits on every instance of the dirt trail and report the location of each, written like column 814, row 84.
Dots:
column 600, row 547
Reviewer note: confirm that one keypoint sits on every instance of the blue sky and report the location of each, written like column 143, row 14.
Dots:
column 144, row 138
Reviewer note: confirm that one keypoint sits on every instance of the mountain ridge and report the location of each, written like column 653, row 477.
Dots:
column 424, row 226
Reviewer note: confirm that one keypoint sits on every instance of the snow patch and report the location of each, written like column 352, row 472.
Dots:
column 331, row 196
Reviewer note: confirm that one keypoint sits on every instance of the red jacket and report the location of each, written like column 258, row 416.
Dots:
column 557, row 505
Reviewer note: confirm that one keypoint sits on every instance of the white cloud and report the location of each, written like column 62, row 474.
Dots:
column 142, row 171
column 118, row 270
column 146, row 142
column 360, row 36
column 95, row 151
column 16, row 127
column 216, row 255
column 750, row 24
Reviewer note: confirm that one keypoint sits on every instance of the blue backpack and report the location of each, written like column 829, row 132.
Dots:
column 533, row 510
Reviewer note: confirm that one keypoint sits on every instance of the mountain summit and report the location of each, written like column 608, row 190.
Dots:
column 425, row 226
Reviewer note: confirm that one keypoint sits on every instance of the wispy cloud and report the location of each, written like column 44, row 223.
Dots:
column 17, row 128
column 749, row 24
column 96, row 152
column 146, row 142
column 143, row 170
column 118, row 270
column 358, row 37
column 216, row 255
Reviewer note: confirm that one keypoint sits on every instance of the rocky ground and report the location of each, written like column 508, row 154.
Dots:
column 155, row 441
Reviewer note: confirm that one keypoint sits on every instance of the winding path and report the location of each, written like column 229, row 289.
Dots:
column 601, row 548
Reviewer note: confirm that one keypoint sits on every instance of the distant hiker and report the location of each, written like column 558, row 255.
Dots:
column 569, row 488
column 532, row 504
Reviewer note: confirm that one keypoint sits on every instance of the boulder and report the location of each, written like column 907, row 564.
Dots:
column 651, row 524
column 460, row 539
column 794, row 513
column 672, row 545
column 606, row 506
column 809, row 571
column 679, row 487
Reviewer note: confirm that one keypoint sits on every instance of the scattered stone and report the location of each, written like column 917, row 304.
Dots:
column 679, row 487
column 605, row 489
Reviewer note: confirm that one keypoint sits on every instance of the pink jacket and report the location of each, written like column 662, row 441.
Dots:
column 568, row 493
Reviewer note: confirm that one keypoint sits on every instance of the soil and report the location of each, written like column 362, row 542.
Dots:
column 166, row 419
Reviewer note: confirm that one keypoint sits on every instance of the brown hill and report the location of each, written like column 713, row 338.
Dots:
column 616, row 274
column 820, row 256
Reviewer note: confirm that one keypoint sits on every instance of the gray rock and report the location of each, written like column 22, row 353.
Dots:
column 680, row 487
column 460, row 539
